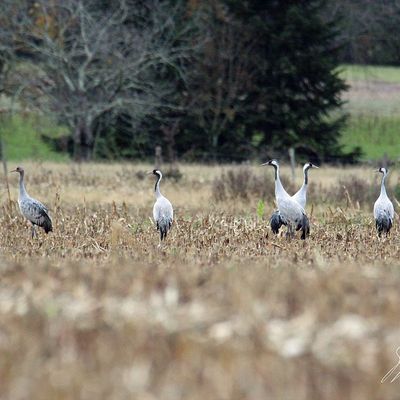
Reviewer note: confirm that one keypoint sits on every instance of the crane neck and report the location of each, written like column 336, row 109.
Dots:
column 22, row 190
column 305, row 183
column 278, row 184
column 383, row 188
column 157, row 185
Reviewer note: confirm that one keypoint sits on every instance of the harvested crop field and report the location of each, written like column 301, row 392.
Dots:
column 224, row 310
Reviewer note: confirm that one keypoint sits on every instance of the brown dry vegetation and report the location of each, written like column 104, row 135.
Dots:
column 225, row 310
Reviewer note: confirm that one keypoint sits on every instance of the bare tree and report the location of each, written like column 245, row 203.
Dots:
column 88, row 58
column 368, row 29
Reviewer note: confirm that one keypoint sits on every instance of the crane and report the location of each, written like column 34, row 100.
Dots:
column 383, row 208
column 300, row 196
column 163, row 212
column 291, row 213
column 32, row 209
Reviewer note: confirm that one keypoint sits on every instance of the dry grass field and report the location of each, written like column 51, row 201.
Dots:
column 225, row 310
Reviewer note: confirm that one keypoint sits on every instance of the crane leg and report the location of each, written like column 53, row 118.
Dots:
column 33, row 231
column 289, row 232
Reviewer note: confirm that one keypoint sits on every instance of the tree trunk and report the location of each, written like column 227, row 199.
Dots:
column 214, row 146
column 83, row 141
column 169, row 136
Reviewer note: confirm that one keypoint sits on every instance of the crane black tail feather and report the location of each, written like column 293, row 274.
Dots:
column 46, row 224
column 276, row 222
column 383, row 225
column 305, row 227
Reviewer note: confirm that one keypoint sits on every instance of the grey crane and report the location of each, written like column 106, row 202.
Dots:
column 163, row 212
column 300, row 196
column 291, row 212
column 32, row 209
column 383, row 208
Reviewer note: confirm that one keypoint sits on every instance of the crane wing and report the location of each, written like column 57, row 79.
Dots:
column 163, row 210
column 37, row 213
column 301, row 197
column 163, row 215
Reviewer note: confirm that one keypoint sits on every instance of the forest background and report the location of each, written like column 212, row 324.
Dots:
column 214, row 80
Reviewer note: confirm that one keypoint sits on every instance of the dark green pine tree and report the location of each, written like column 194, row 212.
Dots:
column 296, row 87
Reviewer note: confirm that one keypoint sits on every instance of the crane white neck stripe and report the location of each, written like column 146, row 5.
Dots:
column 157, row 185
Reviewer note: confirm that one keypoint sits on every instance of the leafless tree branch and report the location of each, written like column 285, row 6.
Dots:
column 86, row 60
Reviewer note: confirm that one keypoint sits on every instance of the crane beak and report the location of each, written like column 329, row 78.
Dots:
column 14, row 170
column 150, row 173
column 314, row 166
column 266, row 163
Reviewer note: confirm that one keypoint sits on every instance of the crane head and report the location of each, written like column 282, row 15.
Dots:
column 154, row 172
column 309, row 165
column 20, row 170
column 274, row 163
column 382, row 170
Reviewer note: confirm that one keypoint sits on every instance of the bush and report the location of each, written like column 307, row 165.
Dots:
column 353, row 190
column 396, row 190
column 172, row 173
column 242, row 183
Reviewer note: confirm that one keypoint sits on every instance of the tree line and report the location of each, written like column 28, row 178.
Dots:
column 368, row 30
column 206, row 79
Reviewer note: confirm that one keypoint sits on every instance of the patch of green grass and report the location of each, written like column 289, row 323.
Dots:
column 376, row 135
column 370, row 73
column 23, row 137
column 373, row 104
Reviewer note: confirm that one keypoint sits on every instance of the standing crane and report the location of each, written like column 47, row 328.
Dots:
column 300, row 196
column 291, row 212
column 163, row 212
column 383, row 208
column 32, row 209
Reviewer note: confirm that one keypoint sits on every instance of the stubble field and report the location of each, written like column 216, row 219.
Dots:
column 225, row 310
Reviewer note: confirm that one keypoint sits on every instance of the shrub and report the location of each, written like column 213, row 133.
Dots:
column 242, row 183
column 396, row 190
column 353, row 190
column 173, row 173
